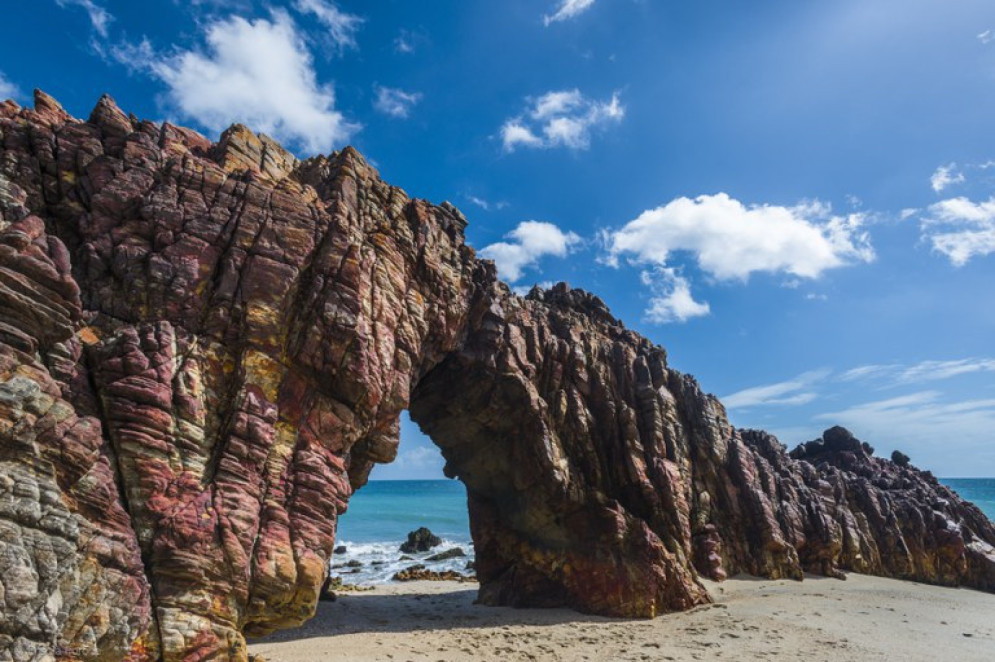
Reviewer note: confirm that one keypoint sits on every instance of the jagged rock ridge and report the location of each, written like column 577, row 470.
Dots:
column 205, row 347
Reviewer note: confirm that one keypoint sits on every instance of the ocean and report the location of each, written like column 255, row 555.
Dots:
column 379, row 518
column 382, row 513
column 979, row 491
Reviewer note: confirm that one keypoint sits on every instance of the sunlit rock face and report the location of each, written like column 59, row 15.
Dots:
column 205, row 348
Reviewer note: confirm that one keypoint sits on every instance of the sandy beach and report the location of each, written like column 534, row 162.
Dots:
column 863, row 618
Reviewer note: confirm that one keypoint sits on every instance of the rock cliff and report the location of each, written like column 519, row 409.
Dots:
column 205, row 347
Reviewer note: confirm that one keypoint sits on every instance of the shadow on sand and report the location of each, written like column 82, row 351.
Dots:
column 354, row 613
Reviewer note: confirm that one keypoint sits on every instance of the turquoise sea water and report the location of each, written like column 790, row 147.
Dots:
column 979, row 491
column 381, row 514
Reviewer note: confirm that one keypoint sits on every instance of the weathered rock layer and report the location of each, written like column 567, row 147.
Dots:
column 205, row 347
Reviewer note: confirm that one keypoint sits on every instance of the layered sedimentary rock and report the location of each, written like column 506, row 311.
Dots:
column 205, row 347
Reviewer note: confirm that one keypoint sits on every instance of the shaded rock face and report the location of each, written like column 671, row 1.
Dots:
column 205, row 347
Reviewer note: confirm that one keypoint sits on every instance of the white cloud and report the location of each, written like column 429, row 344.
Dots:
column 961, row 229
column 256, row 72
column 731, row 241
column 486, row 205
column 100, row 18
column 410, row 41
column 531, row 240
column 924, row 371
column 568, row 9
column 480, row 202
column 522, row 290
column 7, row 89
column 921, row 422
column 342, row 27
column 514, row 133
column 672, row 300
column 420, row 457
column 795, row 391
column 946, row 176
column 986, row 37
column 395, row 102
column 402, row 44
column 868, row 371
column 563, row 118
column 931, row 370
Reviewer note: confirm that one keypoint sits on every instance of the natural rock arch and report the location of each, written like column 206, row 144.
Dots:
column 204, row 348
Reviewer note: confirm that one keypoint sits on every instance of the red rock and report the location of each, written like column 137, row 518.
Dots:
column 205, row 348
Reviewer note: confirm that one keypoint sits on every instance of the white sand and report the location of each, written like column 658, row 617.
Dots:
column 863, row 618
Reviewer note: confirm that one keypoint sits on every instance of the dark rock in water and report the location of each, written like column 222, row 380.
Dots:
column 453, row 553
column 471, row 565
column 354, row 564
column 405, row 557
column 420, row 540
column 378, row 563
column 206, row 347
column 341, row 549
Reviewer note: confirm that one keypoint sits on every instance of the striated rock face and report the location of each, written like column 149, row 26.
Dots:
column 205, row 347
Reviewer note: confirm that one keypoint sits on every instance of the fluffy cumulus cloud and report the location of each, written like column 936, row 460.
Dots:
column 7, row 89
column 672, row 300
column 567, row 9
column 560, row 119
column 100, row 18
column 526, row 244
column 342, row 27
column 394, row 102
column 256, row 72
column 946, row 176
column 961, row 229
column 730, row 240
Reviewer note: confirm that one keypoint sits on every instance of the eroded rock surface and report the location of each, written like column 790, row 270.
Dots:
column 205, row 347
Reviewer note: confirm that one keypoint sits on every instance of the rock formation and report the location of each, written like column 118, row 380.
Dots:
column 205, row 347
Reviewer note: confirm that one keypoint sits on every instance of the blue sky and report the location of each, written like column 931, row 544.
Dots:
column 796, row 198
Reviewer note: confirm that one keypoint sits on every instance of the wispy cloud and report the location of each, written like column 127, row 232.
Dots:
column 924, row 371
column 560, row 119
column 420, row 457
column 257, row 72
column 395, row 102
column 919, row 420
column 7, row 89
column 100, row 18
column 946, row 176
column 342, row 27
column 986, row 37
column 961, row 229
column 486, row 205
column 410, row 41
column 567, row 9
column 529, row 242
column 672, row 300
column 796, row 391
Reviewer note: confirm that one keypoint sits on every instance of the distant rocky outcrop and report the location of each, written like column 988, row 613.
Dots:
column 205, row 347
column 420, row 540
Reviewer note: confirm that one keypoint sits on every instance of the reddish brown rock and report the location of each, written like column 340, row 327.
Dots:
column 204, row 349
